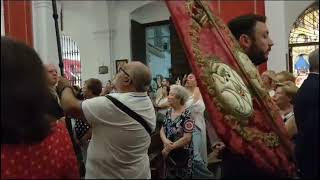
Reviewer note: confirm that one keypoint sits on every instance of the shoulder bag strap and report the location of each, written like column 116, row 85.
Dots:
column 131, row 113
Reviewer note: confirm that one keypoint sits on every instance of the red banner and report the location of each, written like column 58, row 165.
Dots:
column 242, row 113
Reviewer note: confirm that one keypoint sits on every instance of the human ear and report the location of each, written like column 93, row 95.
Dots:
column 245, row 41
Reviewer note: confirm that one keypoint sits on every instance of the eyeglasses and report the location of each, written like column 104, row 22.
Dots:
column 121, row 69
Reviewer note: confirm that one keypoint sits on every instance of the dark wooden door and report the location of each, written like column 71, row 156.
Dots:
column 138, row 42
column 179, row 62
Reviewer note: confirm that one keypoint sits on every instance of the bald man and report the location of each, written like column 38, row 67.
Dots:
column 306, row 112
column 119, row 145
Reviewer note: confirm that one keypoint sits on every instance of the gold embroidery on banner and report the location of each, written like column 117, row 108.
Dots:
column 229, row 92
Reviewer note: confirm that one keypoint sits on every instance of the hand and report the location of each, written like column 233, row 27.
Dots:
column 167, row 143
column 62, row 83
column 166, row 150
column 178, row 82
column 164, row 153
column 217, row 148
column 107, row 89
column 169, row 147
column 184, row 79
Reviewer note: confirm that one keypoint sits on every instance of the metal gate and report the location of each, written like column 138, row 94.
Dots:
column 71, row 60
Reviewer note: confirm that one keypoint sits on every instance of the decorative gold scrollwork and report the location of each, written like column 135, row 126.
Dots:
column 227, row 88
column 230, row 90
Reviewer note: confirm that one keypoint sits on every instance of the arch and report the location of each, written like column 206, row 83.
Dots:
column 306, row 26
column 71, row 60
column 141, row 6
column 303, row 39
column 150, row 12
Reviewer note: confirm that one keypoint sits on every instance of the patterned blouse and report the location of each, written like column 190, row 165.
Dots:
column 53, row 158
column 174, row 129
column 81, row 128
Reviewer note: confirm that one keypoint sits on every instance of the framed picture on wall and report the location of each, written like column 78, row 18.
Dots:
column 120, row 63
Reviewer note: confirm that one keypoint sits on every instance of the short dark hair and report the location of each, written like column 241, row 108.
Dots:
column 94, row 85
column 24, row 95
column 245, row 24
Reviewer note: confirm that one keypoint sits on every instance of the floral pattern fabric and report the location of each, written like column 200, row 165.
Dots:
column 174, row 129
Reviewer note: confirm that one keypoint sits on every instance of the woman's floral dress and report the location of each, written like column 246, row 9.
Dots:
column 174, row 130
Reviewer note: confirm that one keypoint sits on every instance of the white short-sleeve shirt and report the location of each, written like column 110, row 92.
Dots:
column 119, row 144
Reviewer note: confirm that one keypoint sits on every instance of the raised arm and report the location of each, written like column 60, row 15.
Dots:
column 69, row 103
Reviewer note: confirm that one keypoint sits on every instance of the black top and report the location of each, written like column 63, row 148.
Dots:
column 54, row 108
column 236, row 166
column 306, row 111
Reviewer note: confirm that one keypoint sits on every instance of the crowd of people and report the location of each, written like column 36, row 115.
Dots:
column 111, row 126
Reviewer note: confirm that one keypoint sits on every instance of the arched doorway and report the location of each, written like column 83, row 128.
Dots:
column 304, row 38
column 71, row 60
column 155, row 42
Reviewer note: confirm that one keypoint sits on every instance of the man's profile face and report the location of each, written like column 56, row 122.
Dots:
column 261, row 44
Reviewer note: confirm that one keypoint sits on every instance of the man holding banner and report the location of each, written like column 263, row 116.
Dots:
column 253, row 37
column 240, row 109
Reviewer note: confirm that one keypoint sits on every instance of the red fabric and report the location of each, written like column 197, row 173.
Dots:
column 215, row 41
column 52, row 158
column 71, row 67
column 18, row 20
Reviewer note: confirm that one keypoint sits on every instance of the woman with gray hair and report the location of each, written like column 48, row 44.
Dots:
column 176, row 135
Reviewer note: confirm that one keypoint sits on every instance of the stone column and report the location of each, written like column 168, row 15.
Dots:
column 2, row 19
column 45, row 41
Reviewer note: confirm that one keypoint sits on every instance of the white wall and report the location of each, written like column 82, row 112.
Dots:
column 87, row 24
column 44, row 36
column 292, row 11
column 102, row 29
column 280, row 17
column 120, row 17
column 152, row 12
column 2, row 20
column 274, row 10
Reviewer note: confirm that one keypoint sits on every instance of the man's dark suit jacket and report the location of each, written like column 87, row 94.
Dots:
column 306, row 111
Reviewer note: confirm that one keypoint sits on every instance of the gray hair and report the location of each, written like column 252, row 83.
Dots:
column 181, row 93
column 314, row 60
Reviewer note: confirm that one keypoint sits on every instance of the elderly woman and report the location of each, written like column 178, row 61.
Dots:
column 176, row 135
column 283, row 97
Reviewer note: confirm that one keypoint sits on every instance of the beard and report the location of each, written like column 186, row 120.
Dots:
column 257, row 56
